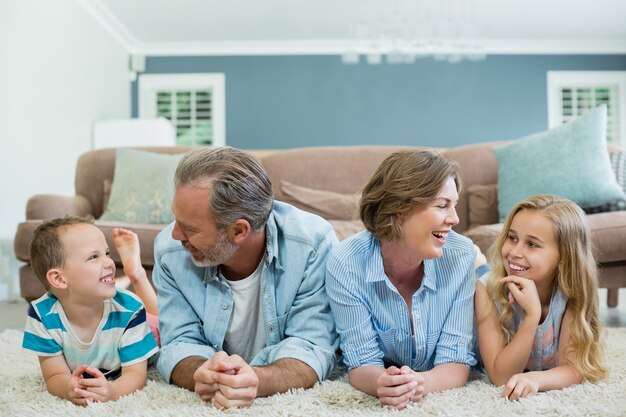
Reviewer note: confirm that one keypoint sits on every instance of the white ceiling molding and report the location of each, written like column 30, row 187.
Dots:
column 110, row 23
column 150, row 28
column 338, row 47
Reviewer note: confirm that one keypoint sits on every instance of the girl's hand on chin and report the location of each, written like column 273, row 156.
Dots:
column 524, row 292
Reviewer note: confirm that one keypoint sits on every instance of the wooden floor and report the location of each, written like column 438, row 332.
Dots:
column 13, row 314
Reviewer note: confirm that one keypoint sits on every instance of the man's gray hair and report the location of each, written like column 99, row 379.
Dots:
column 240, row 187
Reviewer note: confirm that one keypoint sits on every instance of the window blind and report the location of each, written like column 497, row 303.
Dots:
column 190, row 111
column 575, row 100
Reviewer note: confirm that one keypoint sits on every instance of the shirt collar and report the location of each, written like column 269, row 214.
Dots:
column 271, row 242
column 271, row 250
column 375, row 271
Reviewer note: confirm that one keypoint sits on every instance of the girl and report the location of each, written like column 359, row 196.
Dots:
column 544, row 289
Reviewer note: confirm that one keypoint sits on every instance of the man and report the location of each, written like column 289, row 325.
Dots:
column 243, row 310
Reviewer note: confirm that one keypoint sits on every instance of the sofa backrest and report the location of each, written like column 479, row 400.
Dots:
column 341, row 169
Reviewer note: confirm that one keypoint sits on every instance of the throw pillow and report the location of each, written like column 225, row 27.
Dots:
column 618, row 163
column 327, row 204
column 570, row 161
column 143, row 187
column 483, row 204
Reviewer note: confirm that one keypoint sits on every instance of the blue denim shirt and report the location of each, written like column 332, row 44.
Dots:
column 195, row 304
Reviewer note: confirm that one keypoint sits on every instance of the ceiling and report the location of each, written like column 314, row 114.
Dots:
column 217, row 27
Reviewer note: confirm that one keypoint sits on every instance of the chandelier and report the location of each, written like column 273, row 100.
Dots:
column 402, row 31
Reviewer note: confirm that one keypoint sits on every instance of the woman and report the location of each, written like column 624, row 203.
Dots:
column 402, row 291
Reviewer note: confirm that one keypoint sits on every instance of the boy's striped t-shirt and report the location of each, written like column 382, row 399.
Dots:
column 122, row 338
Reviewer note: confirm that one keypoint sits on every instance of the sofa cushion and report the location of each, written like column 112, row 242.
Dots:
column 618, row 163
column 484, row 236
column 145, row 232
column 607, row 233
column 143, row 186
column 569, row 161
column 483, row 204
column 327, row 204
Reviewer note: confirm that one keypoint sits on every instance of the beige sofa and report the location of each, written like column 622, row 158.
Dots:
column 324, row 180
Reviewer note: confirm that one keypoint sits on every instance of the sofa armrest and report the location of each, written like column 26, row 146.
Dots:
column 48, row 206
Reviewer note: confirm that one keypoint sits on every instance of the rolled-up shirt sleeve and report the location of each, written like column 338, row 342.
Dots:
column 456, row 340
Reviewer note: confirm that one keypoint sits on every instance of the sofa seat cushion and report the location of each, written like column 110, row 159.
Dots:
column 607, row 233
column 146, row 233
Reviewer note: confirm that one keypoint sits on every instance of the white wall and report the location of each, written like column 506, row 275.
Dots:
column 59, row 71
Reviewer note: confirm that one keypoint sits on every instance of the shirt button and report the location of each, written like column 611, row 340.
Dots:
column 215, row 346
column 271, row 328
column 225, row 306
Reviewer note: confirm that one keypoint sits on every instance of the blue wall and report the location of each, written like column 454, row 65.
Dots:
column 289, row 101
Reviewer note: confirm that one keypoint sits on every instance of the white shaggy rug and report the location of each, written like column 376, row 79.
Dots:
column 22, row 393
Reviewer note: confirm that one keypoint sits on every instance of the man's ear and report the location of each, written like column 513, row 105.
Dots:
column 239, row 231
column 55, row 279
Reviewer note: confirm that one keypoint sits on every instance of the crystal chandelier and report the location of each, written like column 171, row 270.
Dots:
column 402, row 31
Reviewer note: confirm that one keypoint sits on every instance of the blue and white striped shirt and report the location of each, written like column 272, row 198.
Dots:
column 122, row 338
column 373, row 319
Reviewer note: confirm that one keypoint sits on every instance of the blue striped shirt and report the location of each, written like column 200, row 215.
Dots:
column 122, row 338
column 373, row 319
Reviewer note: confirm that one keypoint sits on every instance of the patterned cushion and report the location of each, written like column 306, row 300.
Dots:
column 143, row 187
column 618, row 163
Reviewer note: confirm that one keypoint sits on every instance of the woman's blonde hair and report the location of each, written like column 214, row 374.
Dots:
column 576, row 277
column 404, row 180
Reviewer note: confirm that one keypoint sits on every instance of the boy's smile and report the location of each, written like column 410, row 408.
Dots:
column 89, row 270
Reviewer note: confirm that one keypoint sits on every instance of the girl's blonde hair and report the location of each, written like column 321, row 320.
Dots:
column 576, row 277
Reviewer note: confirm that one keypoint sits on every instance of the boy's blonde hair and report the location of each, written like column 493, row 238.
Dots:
column 46, row 248
column 576, row 277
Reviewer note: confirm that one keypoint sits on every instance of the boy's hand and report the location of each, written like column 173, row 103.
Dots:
column 74, row 387
column 96, row 389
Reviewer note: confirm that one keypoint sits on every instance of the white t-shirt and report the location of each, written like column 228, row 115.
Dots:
column 245, row 334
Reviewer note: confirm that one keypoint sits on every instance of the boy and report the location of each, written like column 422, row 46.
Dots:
column 84, row 331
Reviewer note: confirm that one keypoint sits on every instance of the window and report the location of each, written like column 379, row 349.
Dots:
column 194, row 103
column 571, row 93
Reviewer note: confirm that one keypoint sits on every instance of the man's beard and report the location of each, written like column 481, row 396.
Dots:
column 218, row 253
